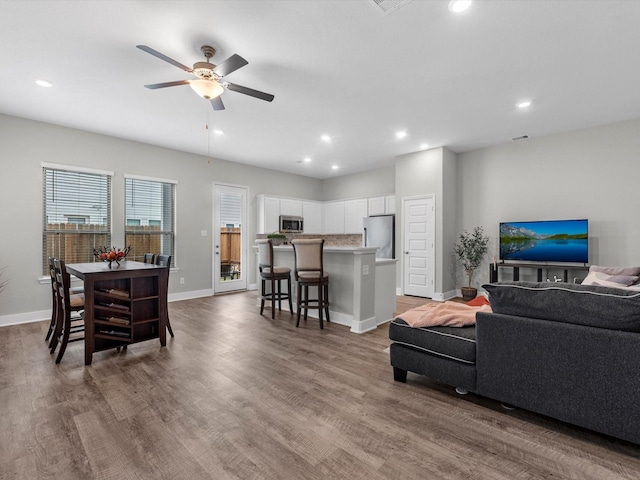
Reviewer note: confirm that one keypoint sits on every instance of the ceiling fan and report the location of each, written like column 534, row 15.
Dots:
column 208, row 82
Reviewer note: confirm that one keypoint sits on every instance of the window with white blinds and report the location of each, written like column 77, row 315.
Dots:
column 76, row 213
column 149, row 217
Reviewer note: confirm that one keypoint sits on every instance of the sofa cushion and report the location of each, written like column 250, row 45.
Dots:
column 456, row 343
column 591, row 305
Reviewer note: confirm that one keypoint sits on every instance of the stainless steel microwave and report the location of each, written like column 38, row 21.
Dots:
column 290, row 223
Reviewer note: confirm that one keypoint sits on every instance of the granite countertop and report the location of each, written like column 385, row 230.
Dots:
column 334, row 249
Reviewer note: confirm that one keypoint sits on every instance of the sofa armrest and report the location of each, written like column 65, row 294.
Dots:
column 582, row 375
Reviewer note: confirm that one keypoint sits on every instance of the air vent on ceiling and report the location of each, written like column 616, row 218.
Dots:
column 389, row 6
column 521, row 137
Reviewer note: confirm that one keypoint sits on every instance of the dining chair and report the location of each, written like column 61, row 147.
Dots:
column 54, row 298
column 69, row 317
column 309, row 272
column 272, row 274
column 149, row 258
column 165, row 261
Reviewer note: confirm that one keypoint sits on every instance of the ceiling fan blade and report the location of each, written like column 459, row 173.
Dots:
column 153, row 86
column 161, row 56
column 231, row 64
column 250, row 91
column 217, row 104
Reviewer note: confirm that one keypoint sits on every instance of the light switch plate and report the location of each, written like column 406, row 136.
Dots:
column 203, row 233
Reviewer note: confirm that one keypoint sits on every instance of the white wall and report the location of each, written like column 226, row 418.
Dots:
column 428, row 172
column 359, row 185
column 25, row 144
column 592, row 173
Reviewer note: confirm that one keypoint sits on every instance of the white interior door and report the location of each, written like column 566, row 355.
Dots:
column 419, row 246
column 230, row 261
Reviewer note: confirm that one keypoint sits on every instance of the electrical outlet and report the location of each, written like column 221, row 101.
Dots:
column 181, row 280
column 365, row 270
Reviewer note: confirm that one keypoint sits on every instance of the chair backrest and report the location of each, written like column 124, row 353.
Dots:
column 149, row 258
column 308, row 255
column 163, row 260
column 52, row 274
column 63, row 284
column 265, row 253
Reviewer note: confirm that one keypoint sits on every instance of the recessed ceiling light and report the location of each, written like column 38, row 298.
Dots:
column 458, row 6
column 325, row 138
column 43, row 83
column 218, row 132
column 334, row 167
column 401, row 134
column 424, row 146
column 524, row 104
column 306, row 160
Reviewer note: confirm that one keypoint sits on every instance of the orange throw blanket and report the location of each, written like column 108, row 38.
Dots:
column 448, row 314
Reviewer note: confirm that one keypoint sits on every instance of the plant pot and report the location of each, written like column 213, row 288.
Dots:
column 277, row 241
column 469, row 293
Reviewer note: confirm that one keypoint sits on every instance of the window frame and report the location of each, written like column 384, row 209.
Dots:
column 46, row 232
column 171, row 233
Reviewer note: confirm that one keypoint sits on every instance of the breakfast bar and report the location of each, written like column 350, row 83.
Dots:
column 353, row 277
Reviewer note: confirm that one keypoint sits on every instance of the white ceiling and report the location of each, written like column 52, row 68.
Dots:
column 340, row 68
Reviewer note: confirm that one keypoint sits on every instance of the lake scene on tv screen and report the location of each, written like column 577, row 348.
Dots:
column 545, row 241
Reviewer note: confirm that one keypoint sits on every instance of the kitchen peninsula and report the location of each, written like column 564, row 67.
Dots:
column 361, row 289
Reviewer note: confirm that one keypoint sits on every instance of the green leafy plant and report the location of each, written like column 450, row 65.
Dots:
column 277, row 235
column 471, row 249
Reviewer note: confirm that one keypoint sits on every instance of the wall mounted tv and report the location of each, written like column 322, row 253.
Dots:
column 561, row 241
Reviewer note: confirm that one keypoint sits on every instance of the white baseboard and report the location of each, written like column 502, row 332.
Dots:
column 175, row 297
column 27, row 317
column 364, row 326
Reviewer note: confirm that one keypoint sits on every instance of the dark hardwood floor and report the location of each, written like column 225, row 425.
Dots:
column 236, row 395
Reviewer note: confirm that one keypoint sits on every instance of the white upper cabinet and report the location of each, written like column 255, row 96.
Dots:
column 333, row 217
column 289, row 206
column 376, row 206
column 390, row 204
column 312, row 213
column 382, row 205
column 268, row 214
column 354, row 212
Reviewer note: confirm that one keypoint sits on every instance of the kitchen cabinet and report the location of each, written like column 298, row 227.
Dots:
column 354, row 212
column 268, row 214
column 382, row 205
column 376, row 206
column 290, row 206
column 333, row 218
column 312, row 213
column 390, row 204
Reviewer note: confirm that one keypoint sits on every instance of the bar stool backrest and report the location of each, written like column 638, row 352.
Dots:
column 265, row 254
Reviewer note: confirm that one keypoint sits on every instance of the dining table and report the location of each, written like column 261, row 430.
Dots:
column 125, row 303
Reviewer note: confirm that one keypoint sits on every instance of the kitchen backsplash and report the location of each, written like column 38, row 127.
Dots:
column 351, row 240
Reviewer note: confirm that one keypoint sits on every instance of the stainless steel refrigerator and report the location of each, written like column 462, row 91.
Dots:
column 380, row 231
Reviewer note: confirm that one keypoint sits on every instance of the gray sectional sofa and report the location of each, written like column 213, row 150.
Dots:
column 571, row 352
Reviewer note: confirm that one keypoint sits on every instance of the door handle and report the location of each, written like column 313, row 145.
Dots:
column 406, row 253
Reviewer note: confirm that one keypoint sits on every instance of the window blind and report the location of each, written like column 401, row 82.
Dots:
column 76, row 214
column 149, row 217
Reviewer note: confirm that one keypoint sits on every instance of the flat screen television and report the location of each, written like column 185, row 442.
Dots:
column 561, row 241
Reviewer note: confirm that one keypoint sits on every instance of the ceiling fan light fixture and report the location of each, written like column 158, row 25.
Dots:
column 207, row 88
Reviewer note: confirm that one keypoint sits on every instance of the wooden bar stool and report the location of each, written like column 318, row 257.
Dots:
column 310, row 272
column 270, row 273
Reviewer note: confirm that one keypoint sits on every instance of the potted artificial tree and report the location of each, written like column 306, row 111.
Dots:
column 471, row 249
